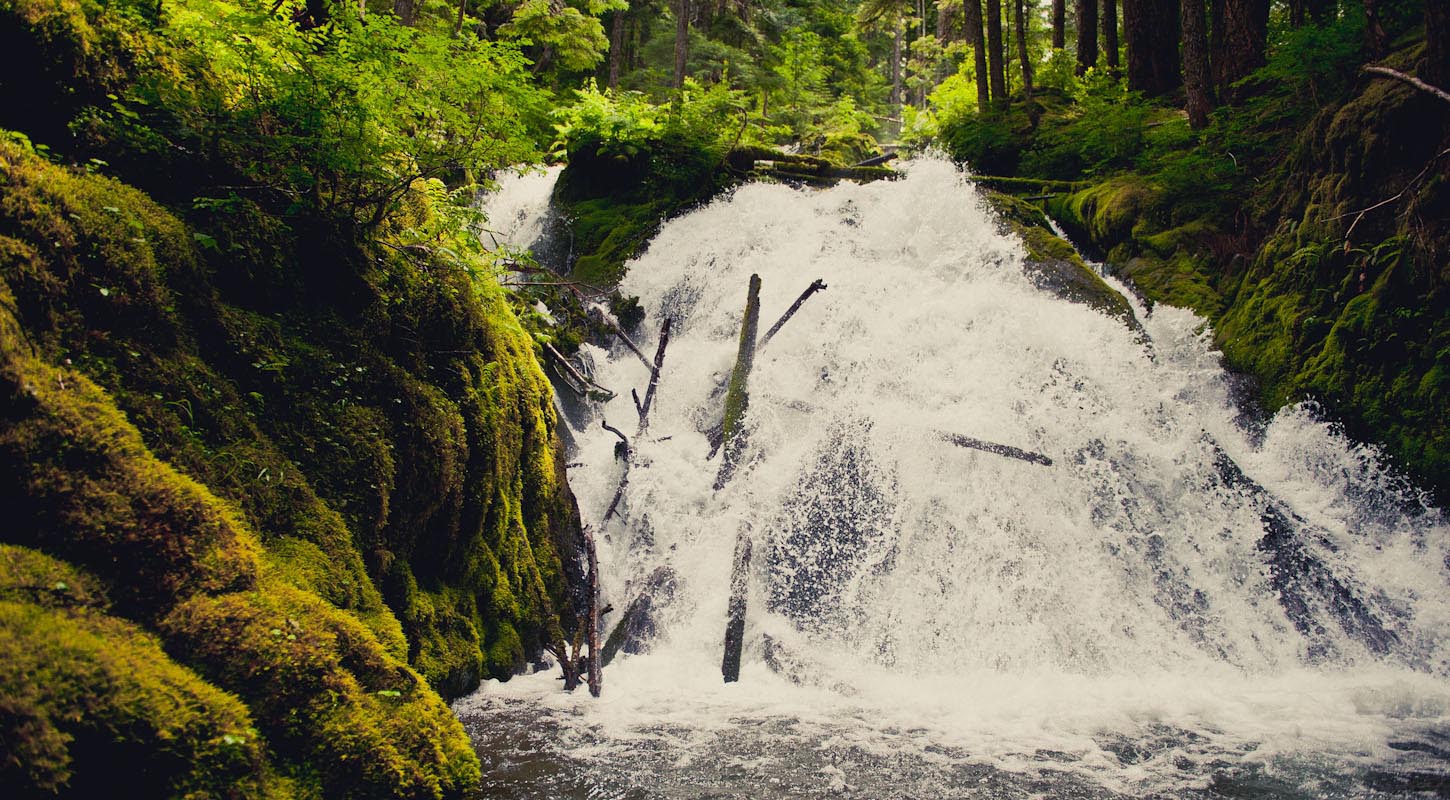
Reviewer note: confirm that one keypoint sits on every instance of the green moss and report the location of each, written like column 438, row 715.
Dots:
column 88, row 698
column 1053, row 264
column 322, row 689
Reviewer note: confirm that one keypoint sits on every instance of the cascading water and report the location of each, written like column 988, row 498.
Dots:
column 1175, row 606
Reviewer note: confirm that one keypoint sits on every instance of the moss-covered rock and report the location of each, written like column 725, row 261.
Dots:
column 1054, row 265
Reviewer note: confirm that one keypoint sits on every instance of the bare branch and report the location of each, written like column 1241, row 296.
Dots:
column 1410, row 79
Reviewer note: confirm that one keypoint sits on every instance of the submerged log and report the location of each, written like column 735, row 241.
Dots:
column 640, row 622
column 1301, row 579
column 735, row 614
column 737, row 394
column 999, row 449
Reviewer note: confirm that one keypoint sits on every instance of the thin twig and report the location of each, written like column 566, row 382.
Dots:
column 654, row 380
column 817, row 286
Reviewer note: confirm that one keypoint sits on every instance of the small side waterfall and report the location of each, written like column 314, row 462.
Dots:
column 1175, row 605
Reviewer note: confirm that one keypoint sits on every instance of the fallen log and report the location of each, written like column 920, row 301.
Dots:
column 735, row 613
column 737, row 394
column 992, row 447
column 875, row 161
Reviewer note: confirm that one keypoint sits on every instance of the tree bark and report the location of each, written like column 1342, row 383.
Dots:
column 1059, row 24
column 407, row 11
column 1151, row 30
column 616, row 48
column 1022, row 23
column 972, row 18
column 462, row 9
column 1110, row 34
column 1245, row 34
column 1087, row 34
column 1196, row 78
column 995, row 66
column 896, row 67
column 682, row 40
column 596, row 678
column 1436, row 67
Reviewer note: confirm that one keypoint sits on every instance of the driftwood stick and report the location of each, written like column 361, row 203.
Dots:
column 737, row 394
column 623, row 337
column 817, row 286
column 624, row 440
column 1410, row 79
column 576, row 374
column 596, row 680
column 992, row 447
column 621, row 449
column 735, row 616
column 654, row 378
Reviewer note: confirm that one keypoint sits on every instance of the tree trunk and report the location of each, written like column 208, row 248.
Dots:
column 1087, row 34
column 1196, row 78
column 1245, row 34
column 735, row 613
column 682, row 40
column 1021, row 17
column 972, row 16
column 462, row 9
column 616, row 47
column 995, row 65
column 1151, row 29
column 407, row 11
column 896, row 69
column 1110, row 33
column 1436, row 68
column 1059, row 24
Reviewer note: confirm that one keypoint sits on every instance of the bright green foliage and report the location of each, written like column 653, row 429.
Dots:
column 339, row 119
column 574, row 37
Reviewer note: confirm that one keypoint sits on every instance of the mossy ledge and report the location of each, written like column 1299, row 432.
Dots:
column 1306, row 294
column 274, row 490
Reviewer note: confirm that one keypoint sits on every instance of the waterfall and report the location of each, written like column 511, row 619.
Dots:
column 1177, row 601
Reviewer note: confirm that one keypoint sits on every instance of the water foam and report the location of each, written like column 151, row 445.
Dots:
column 1113, row 617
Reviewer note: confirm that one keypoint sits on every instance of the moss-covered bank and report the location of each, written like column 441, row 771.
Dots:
column 274, row 486
column 1328, row 280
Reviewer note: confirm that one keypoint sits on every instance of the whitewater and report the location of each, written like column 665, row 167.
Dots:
column 932, row 621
